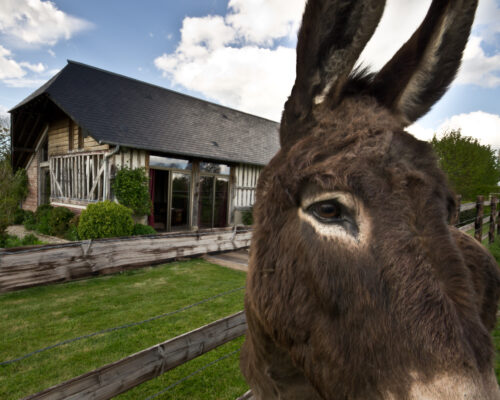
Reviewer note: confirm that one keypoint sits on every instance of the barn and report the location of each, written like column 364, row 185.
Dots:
column 77, row 130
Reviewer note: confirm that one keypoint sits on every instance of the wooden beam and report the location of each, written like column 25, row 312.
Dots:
column 120, row 376
column 24, row 149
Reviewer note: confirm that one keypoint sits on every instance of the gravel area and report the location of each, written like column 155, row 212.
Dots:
column 20, row 231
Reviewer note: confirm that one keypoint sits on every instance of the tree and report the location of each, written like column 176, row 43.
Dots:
column 13, row 189
column 472, row 168
column 4, row 137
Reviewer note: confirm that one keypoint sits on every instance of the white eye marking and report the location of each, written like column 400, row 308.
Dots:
column 335, row 215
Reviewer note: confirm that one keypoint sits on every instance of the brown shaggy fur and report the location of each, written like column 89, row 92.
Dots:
column 410, row 302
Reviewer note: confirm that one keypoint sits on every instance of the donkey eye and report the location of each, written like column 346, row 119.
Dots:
column 327, row 211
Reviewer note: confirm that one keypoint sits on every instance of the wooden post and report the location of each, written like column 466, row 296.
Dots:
column 478, row 225
column 493, row 218
column 455, row 218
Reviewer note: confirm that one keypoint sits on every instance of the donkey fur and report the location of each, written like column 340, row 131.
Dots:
column 404, row 311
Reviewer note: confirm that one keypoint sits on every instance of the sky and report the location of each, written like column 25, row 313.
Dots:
column 238, row 53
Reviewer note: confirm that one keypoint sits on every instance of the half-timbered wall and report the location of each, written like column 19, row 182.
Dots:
column 59, row 139
column 246, row 177
column 31, row 201
column 131, row 158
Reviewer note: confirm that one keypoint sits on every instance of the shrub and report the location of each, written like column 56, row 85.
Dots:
column 72, row 232
column 19, row 216
column 140, row 229
column 29, row 220
column 13, row 189
column 247, row 217
column 59, row 219
column 131, row 187
column 105, row 219
column 42, row 216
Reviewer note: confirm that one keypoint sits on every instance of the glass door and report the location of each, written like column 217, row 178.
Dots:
column 213, row 201
column 179, row 210
column 206, row 202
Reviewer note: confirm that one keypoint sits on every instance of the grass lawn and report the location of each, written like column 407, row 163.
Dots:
column 38, row 317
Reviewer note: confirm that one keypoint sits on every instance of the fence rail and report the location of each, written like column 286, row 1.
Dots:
column 480, row 219
column 120, row 376
column 22, row 268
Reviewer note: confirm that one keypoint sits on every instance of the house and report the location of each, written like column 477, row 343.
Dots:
column 84, row 124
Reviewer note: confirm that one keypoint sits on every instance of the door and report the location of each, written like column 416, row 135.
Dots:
column 213, row 201
column 180, row 196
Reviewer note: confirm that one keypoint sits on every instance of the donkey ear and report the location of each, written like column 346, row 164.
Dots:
column 421, row 71
column 332, row 35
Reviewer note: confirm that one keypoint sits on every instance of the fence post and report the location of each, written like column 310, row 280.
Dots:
column 478, row 225
column 493, row 218
column 455, row 219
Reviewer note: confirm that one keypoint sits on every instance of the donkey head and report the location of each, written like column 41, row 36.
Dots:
column 358, row 288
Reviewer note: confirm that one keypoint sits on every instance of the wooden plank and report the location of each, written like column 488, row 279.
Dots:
column 247, row 396
column 471, row 226
column 21, row 268
column 493, row 218
column 467, row 206
column 120, row 376
column 478, row 225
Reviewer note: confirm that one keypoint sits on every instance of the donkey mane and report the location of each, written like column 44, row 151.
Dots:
column 358, row 287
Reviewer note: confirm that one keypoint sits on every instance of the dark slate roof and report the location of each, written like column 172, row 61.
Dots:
column 118, row 110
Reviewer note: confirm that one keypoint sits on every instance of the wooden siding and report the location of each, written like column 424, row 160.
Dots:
column 59, row 139
column 246, row 182
column 31, row 202
column 131, row 158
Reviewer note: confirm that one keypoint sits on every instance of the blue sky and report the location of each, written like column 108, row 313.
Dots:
column 239, row 53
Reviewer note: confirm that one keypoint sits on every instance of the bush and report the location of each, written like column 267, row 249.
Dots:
column 59, row 219
column 247, row 217
column 19, row 216
column 13, row 189
column 131, row 187
column 42, row 216
column 13, row 241
column 72, row 232
column 140, row 229
column 105, row 219
column 29, row 220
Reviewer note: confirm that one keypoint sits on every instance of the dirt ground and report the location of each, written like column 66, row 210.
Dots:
column 20, row 231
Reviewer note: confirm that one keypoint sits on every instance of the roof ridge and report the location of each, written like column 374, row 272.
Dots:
column 166, row 89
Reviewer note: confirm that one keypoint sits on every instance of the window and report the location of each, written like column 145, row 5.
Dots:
column 214, row 168
column 168, row 162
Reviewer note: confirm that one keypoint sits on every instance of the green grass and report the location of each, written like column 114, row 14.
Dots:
column 38, row 317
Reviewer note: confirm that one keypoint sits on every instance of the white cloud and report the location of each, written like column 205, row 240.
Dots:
column 478, row 124
column 477, row 68
column 13, row 73
column 37, row 22
column 24, row 82
column 9, row 68
column 391, row 33
column 222, row 59
column 51, row 52
column 39, row 68
column 263, row 21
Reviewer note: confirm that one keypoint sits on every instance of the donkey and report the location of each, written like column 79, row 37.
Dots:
column 358, row 287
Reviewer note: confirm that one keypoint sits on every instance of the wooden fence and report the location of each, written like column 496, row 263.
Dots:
column 120, row 376
column 40, row 265
column 480, row 219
